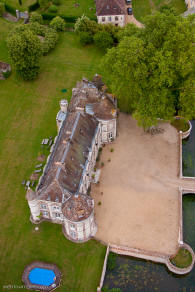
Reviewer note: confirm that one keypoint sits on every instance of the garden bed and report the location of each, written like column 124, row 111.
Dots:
column 182, row 259
column 181, row 124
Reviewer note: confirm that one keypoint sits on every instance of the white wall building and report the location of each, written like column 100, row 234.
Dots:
column 111, row 11
column 62, row 192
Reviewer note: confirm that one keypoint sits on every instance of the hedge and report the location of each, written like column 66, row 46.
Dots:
column 33, row 7
column 10, row 9
column 70, row 19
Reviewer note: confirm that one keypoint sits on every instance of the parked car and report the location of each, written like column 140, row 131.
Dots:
column 128, row 2
column 129, row 11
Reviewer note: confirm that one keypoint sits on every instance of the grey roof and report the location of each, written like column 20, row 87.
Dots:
column 66, row 164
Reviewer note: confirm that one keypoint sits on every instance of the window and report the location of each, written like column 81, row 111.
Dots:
column 56, row 208
column 43, row 206
column 57, row 215
column 72, row 226
column 116, row 18
column 110, row 135
column 103, row 19
column 109, row 18
column 45, row 214
column 73, row 234
column 104, row 128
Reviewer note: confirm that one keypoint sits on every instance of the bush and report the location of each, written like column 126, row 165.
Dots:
column 10, row 9
column 36, row 17
column 50, row 16
column 51, row 38
column 33, row 7
column 2, row 8
column 85, row 38
column 58, row 23
column 53, row 9
column 103, row 40
column 6, row 74
column 56, row 2
column 180, row 124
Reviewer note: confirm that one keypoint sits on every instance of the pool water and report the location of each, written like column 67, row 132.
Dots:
column 188, row 153
column 42, row 276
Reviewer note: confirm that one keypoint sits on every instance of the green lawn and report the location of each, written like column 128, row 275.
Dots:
column 23, row 7
column 27, row 115
column 142, row 8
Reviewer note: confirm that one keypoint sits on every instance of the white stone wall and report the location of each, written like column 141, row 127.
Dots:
column 81, row 230
column 108, row 130
column 91, row 161
column 113, row 19
column 34, row 209
column 53, row 209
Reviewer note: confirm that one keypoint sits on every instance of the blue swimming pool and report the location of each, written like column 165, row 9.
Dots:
column 42, row 276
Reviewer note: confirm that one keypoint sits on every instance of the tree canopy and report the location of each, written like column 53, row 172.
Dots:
column 151, row 70
column 25, row 51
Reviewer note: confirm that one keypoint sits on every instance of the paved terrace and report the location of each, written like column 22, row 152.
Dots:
column 138, row 189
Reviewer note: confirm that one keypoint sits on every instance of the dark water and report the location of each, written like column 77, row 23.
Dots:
column 132, row 274
column 189, row 153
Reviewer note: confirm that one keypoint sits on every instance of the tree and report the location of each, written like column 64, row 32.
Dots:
column 83, row 23
column 44, row 3
column 58, row 23
column 103, row 40
column 25, row 51
column 151, row 69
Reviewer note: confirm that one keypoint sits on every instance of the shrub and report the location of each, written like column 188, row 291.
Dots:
column 85, row 38
column 103, row 40
column 111, row 149
column 56, row 2
column 53, row 9
column 2, row 8
column 25, row 51
column 51, row 38
column 36, row 17
column 58, row 23
column 33, row 7
column 99, row 203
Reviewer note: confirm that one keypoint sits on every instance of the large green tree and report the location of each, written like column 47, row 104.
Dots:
column 25, row 50
column 151, row 69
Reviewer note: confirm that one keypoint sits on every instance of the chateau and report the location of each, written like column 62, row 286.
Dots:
column 62, row 194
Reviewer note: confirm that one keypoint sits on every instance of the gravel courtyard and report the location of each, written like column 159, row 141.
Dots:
column 137, row 190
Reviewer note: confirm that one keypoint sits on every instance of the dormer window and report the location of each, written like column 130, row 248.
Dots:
column 107, row 7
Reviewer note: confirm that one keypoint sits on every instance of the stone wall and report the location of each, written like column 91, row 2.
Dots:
column 104, row 269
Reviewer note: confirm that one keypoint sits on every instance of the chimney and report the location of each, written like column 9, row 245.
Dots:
column 64, row 105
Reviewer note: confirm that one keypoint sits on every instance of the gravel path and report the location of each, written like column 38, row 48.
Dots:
column 138, row 189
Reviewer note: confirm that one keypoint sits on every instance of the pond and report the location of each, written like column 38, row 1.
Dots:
column 188, row 152
column 132, row 274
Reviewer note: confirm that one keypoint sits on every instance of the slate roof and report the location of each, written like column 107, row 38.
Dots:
column 110, row 7
column 78, row 207
column 65, row 167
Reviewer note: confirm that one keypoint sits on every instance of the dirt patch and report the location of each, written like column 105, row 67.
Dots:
column 139, row 205
column 41, row 158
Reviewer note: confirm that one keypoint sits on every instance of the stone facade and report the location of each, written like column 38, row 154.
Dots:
column 62, row 192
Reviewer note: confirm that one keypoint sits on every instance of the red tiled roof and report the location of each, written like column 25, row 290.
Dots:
column 110, row 7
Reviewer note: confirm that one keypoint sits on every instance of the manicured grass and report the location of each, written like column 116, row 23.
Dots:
column 180, row 124
column 182, row 259
column 27, row 115
column 142, row 8
column 23, row 7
